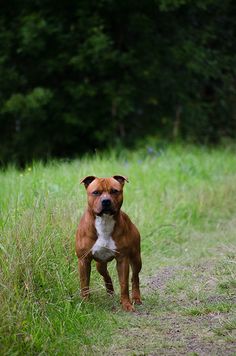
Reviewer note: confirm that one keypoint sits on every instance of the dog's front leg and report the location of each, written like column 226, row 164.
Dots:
column 84, row 273
column 123, row 273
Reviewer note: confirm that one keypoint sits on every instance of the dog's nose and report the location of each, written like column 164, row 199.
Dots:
column 106, row 203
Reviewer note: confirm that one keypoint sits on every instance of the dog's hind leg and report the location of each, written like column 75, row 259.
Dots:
column 102, row 269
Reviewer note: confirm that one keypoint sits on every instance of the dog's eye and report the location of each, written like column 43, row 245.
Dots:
column 114, row 191
column 96, row 192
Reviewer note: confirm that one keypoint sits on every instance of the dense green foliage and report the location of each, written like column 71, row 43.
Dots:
column 81, row 75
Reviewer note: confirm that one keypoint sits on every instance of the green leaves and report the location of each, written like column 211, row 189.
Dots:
column 25, row 105
column 107, row 72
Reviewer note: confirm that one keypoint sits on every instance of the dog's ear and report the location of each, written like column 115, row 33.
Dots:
column 87, row 180
column 121, row 179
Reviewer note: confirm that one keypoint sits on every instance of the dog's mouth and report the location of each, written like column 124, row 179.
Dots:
column 107, row 211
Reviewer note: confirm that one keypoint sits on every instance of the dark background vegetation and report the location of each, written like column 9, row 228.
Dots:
column 76, row 76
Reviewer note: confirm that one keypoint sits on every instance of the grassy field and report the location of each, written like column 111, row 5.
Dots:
column 183, row 200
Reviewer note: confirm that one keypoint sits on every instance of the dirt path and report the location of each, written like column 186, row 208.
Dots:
column 184, row 313
column 190, row 308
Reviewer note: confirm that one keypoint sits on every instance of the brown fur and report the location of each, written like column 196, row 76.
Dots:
column 125, row 235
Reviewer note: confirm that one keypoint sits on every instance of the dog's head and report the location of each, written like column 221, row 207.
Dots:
column 105, row 195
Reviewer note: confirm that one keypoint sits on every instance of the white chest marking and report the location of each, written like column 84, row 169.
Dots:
column 105, row 247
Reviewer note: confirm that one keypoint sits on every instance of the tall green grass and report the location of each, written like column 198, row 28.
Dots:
column 171, row 193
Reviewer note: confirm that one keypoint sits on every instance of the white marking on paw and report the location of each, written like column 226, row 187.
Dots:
column 105, row 247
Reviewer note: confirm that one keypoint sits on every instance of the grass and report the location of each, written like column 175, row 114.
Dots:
column 183, row 200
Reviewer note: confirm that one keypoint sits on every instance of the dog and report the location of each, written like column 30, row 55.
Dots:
column 104, row 233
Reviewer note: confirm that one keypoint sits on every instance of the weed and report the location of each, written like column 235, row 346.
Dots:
column 182, row 202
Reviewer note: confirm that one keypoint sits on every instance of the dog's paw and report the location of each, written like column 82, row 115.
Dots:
column 110, row 289
column 128, row 307
column 110, row 292
column 85, row 294
column 137, row 301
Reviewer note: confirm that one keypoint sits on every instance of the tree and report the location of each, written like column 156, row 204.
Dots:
column 83, row 75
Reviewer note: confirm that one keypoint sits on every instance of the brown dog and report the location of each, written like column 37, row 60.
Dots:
column 105, row 233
